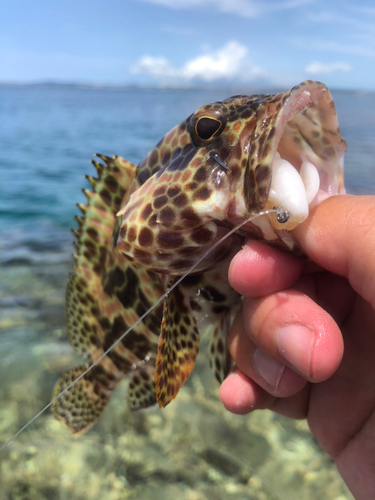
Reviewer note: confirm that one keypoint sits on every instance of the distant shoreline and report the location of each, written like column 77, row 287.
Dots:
column 141, row 88
column 97, row 86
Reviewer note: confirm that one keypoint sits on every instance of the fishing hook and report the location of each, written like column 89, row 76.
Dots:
column 282, row 215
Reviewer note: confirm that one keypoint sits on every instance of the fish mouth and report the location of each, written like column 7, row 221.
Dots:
column 301, row 155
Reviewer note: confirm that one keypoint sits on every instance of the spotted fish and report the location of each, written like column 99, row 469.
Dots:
column 144, row 226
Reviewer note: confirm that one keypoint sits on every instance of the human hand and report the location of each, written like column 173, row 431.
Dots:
column 288, row 339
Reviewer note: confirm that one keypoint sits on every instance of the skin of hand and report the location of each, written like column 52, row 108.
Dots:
column 304, row 341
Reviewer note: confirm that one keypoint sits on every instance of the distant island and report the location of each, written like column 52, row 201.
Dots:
column 243, row 89
column 104, row 86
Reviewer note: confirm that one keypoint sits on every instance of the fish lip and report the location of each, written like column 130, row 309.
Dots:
column 307, row 95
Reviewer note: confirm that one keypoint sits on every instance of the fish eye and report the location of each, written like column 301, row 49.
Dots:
column 204, row 128
column 207, row 127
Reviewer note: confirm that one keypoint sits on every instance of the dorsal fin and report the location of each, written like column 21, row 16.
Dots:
column 105, row 295
column 93, row 249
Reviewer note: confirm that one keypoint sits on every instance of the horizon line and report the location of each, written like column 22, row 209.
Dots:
column 138, row 86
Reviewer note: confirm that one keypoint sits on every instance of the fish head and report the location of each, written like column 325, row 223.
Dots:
column 226, row 162
column 296, row 155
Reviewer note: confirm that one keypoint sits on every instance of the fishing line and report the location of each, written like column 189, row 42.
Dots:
column 280, row 213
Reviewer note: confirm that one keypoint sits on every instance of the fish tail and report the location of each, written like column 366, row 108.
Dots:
column 81, row 405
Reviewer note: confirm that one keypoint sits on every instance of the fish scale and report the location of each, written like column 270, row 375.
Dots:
column 144, row 227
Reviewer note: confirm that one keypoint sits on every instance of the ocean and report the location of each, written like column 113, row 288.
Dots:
column 194, row 449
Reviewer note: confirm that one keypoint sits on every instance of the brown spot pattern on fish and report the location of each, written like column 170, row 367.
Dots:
column 211, row 172
column 81, row 406
column 105, row 297
column 141, row 392
column 178, row 346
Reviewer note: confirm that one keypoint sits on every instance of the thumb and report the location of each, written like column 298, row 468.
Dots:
column 339, row 235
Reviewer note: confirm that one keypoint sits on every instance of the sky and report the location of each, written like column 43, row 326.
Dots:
column 271, row 43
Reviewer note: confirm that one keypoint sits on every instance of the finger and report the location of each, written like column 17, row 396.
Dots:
column 339, row 236
column 239, row 394
column 293, row 330
column 271, row 375
column 331, row 292
column 258, row 269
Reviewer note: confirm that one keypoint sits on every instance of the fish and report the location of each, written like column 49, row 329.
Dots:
column 143, row 227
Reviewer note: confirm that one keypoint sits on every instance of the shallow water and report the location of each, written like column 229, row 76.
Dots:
column 193, row 449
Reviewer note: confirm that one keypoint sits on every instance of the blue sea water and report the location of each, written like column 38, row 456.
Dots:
column 48, row 134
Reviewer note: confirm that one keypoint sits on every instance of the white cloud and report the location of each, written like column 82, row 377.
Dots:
column 317, row 68
column 310, row 43
column 154, row 66
column 246, row 8
column 225, row 63
column 231, row 62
